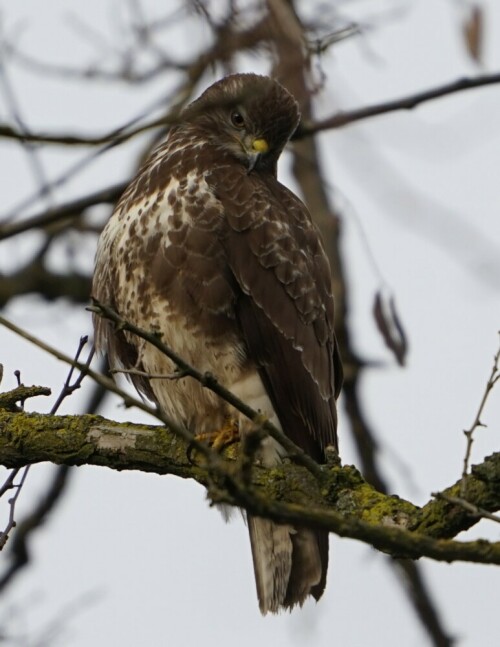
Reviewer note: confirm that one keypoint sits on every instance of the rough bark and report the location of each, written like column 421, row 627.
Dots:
column 339, row 500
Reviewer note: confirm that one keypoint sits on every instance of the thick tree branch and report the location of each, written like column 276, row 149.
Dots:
column 341, row 502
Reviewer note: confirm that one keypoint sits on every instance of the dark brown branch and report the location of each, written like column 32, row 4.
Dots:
column 126, row 75
column 117, row 136
column 420, row 595
column 342, row 119
column 305, row 129
column 36, row 278
column 228, row 42
column 71, row 209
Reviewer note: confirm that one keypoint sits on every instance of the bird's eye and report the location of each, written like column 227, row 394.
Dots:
column 237, row 119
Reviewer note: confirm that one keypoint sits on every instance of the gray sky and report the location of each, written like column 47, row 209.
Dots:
column 138, row 559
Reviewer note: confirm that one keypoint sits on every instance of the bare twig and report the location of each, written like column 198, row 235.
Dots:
column 177, row 375
column 71, row 209
column 92, row 73
column 15, row 110
column 390, row 326
column 34, row 520
column 107, row 383
column 466, row 505
column 492, row 380
column 9, row 481
column 11, row 523
column 117, row 136
column 342, row 119
column 306, row 128
column 141, row 33
column 214, row 461
column 68, row 389
column 229, row 41
column 210, row 382
column 177, row 99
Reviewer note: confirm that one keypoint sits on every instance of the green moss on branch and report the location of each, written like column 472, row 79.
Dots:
column 339, row 500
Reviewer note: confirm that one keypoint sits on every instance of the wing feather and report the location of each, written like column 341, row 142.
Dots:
column 285, row 308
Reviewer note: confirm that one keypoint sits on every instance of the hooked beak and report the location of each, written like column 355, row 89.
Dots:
column 257, row 148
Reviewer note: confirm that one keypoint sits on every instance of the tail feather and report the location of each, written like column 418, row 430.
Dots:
column 307, row 568
column 289, row 564
column 272, row 561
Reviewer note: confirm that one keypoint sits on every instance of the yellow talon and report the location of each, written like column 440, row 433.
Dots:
column 228, row 434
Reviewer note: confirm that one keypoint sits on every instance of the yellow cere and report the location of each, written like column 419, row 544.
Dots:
column 260, row 146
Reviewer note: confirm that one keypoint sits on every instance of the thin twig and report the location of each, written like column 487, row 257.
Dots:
column 15, row 110
column 128, row 400
column 117, row 136
column 176, row 100
column 342, row 119
column 177, row 375
column 71, row 209
column 67, row 389
column 306, row 128
column 106, row 382
column 492, row 380
column 470, row 507
column 11, row 523
column 210, row 382
column 9, row 481
column 20, row 550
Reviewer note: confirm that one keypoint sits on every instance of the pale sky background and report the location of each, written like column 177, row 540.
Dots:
column 136, row 559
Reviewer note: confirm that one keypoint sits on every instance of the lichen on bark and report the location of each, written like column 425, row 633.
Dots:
column 338, row 499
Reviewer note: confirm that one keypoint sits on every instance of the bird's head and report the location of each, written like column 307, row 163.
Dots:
column 248, row 115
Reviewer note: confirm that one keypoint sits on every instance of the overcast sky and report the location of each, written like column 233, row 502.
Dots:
column 137, row 559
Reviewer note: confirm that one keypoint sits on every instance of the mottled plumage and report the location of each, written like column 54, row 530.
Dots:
column 209, row 248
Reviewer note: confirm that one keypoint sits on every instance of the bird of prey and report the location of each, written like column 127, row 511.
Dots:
column 209, row 249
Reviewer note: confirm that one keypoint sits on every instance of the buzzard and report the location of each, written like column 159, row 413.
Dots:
column 208, row 248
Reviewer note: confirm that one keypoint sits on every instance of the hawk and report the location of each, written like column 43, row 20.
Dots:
column 209, row 249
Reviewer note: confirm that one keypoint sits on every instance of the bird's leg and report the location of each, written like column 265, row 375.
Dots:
column 228, row 434
column 218, row 439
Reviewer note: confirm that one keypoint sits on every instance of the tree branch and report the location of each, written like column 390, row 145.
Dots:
column 342, row 119
column 70, row 209
column 36, row 278
column 342, row 502
column 306, row 128
column 210, row 382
